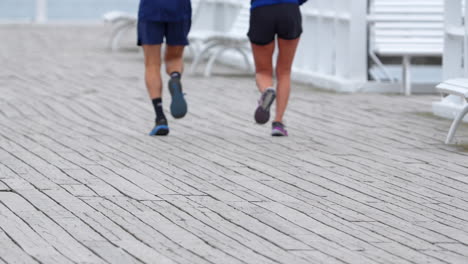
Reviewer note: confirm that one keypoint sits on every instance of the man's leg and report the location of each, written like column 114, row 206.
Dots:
column 153, row 70
column 174, row 59
column 154, row 86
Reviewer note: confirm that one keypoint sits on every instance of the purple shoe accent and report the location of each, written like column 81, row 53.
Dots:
column 261, row 116
column 279, row 130
column 262, row 113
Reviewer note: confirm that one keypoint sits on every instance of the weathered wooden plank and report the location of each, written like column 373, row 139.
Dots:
column 213, row 232
column 4, row 187
column 84, row 229
column 265, row 247
column 11, row 252
column 156, row 239
column 57, row 237
column 29, row 240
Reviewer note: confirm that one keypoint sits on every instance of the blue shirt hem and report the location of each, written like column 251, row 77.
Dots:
column 258, row 3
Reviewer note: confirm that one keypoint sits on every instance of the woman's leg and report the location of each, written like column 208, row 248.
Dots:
column 263, row 57
column 264, row 77
column 287, row 51
column 153, row 70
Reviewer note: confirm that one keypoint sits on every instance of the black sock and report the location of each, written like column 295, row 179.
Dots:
column 176, row 75
column 157, row 104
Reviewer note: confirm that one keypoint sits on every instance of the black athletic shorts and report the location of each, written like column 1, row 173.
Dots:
column 266, row 22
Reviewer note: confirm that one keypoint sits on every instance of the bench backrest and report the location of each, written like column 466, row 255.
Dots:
column 195, row 8
column 406, row 26
column 241, row 22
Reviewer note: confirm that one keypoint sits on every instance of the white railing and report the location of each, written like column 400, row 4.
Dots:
column 333, row 50
column 332, row 53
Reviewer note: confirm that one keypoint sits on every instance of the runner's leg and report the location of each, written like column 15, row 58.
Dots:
column 264, row 76
column 174, row 59
column 263, row 57
column 153, row 70
column 174, row 67
column 287, row 51
column 154, row 86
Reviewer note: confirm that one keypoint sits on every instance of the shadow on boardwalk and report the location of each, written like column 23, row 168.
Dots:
column 361, row 179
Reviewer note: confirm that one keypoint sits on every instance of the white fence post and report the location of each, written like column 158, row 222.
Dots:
column 454, row 38
column 466, row 40
column 358, row 41
column 455, row 61
column 41, row 11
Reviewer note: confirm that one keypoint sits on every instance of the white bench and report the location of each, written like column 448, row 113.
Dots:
column 407, row 29
column 459, row 88
column 121, row 22
column 215, row 44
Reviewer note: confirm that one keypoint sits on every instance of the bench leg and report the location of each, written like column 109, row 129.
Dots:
column 118, row 33
column 199, row 57
column 211, row 61
column 456, row 124
column 381, row 67
column 407, row 74
column 245, row 55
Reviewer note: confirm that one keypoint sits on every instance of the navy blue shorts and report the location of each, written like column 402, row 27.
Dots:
column 154, row 33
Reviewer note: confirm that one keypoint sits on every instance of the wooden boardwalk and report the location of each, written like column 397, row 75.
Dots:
column 361, row 179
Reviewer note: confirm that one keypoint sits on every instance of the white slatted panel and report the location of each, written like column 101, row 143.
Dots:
column 333, row 46
column 407, row 27
column 241, row 23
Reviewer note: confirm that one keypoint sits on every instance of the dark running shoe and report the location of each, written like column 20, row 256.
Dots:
column 279, row 130
column 262, row 114
column 178, row 104
column 160, row 129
